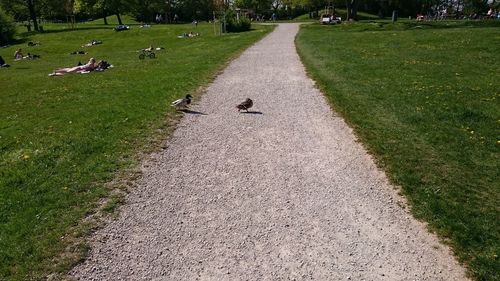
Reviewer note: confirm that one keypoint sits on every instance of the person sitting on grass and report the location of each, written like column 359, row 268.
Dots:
column 18, row 55
column 86, row 68
column 2, row 62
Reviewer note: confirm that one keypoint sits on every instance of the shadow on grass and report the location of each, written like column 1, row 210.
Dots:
column 31, row 33
column 15, row 41
column 387, row 25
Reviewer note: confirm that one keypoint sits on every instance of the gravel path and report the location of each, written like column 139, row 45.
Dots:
column 282, row 193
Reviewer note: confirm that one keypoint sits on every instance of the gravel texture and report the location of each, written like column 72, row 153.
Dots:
column 282, row 193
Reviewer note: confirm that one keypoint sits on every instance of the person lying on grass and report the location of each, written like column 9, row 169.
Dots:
column 188, row 35
column 32, row 56
column 83, row 68
column 151, row 48
column 86, row 68
column 92, row 43
column 78, row 53
column 33, row 43
column 103, row 65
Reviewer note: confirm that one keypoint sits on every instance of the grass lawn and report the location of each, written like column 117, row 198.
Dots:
column 425, row 100
column 63, row 138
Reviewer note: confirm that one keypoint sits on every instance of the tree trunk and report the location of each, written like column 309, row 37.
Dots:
column 119, row 18
column 32, row 11
column 168, row 12
column 105, row 16
column 348, row 8
column 352, row 9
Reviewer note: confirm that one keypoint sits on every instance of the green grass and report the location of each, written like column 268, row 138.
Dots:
column 424, row 98
column 63, row 138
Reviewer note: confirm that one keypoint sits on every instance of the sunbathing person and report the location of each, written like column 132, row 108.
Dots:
column 92, row 43
column 103, row 65
column 91, row 65
column 151, row 48
column 33, row 43
column 18, row 55
column 32, row 56
column 78, row 53
column 188, row 35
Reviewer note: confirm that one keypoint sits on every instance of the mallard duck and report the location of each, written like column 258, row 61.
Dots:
column 182, row 102
column 245, row 105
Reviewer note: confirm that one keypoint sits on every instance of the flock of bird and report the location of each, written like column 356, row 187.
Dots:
column 183, row 103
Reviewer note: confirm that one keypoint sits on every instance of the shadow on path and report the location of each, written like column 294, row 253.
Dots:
column 193, row 112
column 252, row 112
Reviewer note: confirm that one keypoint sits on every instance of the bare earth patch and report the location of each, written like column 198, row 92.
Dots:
column 284, row 192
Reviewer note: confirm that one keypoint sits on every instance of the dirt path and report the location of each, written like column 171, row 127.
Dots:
column 283, row 193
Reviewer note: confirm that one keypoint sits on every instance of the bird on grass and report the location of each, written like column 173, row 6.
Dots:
column 182, row 102
column 245, row 105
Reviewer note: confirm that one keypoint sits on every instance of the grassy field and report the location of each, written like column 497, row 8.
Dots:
column 424, row 98
column 63, row 138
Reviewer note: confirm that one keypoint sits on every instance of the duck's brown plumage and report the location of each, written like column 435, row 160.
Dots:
column 248, row 103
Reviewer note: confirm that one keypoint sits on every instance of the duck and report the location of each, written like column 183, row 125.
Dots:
column 182, row 102
column 248, row 103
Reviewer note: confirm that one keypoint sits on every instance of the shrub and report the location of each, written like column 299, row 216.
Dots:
column 235, row 25
column 7, row 28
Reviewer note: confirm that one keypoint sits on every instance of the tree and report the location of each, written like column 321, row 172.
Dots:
column 352, row 9
column 33, row 14
column 22, row 10
column 145, row 10
column 475, row 6
column 7, row 28
column 258, row 6
column 103, row 8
